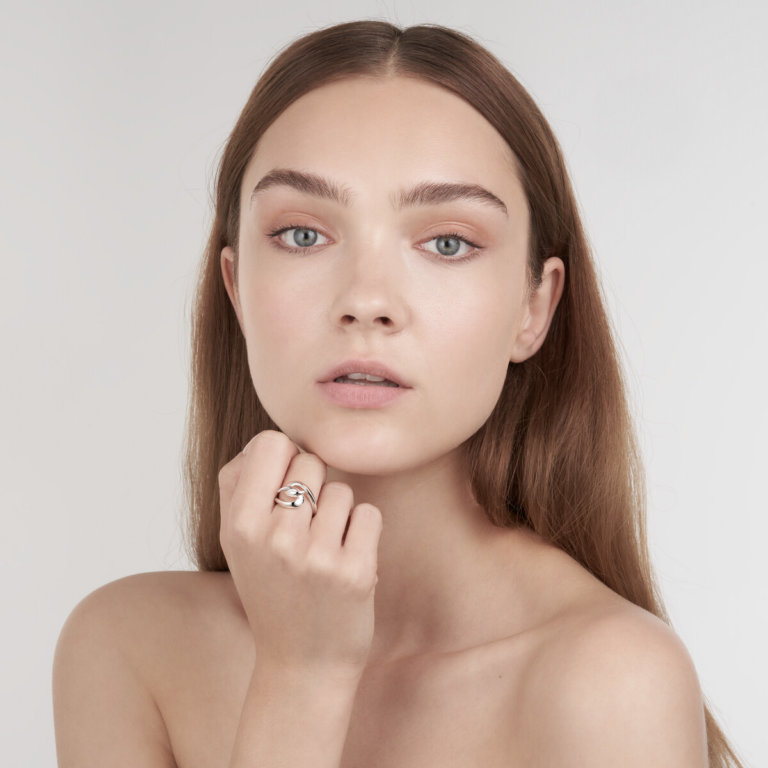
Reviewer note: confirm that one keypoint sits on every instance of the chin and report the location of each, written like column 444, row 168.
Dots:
column 372, row 455
column 362, row 466
column 356, row 449
column 356, row 457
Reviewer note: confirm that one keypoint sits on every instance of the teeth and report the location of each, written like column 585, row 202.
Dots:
column 366, row 376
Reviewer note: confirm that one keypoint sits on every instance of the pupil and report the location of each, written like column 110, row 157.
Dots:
column 304, row 237
column 448, row 246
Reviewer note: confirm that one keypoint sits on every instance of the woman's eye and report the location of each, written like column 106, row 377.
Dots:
column 300, row 237
column 449, row 245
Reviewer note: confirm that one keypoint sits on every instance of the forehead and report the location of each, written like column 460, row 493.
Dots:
column 392, row 131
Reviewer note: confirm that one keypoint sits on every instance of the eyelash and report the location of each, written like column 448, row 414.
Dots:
column 275, row 234
column 455, row 236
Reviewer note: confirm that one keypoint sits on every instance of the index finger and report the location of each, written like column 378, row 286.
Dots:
column 264, row 462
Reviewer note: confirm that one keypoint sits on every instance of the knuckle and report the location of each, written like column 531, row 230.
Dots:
column 230, row 544
column 235, row 530
column 339, row 491
column 369, row 517
column 358, row 577
column 270, row 442
column 311, row 462
column 370, row 513
column 229, row 473
column 271, row 438
column 320, row 561
column 282, row 543
column 268, row 435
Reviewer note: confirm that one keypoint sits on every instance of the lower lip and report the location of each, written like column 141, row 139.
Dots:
column 361, row 395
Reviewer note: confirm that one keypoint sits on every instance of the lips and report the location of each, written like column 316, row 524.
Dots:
column 365, row 380
column 371, row 367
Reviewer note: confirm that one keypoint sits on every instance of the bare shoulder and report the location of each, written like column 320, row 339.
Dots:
column 612, row 684
column 134, row 612
column 110, row 657
column 155, row 589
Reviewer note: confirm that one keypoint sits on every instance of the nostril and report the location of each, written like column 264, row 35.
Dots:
column 385, row 321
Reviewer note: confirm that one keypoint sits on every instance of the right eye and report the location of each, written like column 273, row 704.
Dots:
column 299, row 238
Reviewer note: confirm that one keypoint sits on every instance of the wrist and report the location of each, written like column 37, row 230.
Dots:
column 294, row 715
column 297, row 678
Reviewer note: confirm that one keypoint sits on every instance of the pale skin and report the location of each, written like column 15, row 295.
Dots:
column 426, row 636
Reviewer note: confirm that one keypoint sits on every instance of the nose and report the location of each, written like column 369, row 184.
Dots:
column 371, row 291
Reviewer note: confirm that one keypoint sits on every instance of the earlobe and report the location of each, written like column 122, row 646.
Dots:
column 230, row 282
column 541, row 309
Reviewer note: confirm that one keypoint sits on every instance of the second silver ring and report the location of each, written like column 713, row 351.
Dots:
column 296, row 492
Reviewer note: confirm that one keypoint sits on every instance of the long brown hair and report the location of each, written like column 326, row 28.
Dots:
column 558, row 452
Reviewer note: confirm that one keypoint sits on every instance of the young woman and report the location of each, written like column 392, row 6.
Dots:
column 431, row 550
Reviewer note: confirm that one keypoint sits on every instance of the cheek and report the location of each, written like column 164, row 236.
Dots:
column 483, row 321
column 478, row 362
column 475, row 348
column 275, row 322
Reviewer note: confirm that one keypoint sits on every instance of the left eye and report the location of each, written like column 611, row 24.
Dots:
column 301, row 237
column 449, row 245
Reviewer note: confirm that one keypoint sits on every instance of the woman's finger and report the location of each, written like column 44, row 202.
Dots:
column 310, row 471
column 262, row 468
column 327, row 530
column 362, row 539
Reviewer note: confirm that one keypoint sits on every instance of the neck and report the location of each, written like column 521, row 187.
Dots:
column 438, row 559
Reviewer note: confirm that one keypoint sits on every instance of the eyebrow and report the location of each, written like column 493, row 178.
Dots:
column 309, row 183
column 426, row 193
column 431, row 193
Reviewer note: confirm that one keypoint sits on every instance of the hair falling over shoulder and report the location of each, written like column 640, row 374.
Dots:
column 558, row 452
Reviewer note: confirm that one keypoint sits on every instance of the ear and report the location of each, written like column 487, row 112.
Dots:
column 230, row 283
column 542, row 304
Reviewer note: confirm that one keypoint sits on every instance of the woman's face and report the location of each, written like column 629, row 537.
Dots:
column 382, row 221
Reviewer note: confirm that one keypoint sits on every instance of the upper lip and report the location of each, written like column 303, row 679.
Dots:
column 372, row 367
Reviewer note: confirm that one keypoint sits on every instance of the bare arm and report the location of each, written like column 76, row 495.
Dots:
column 293, row 720
column 625, row 693
column 307, row 589
column 104, row 713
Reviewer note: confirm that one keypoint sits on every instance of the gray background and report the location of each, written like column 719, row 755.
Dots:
column 112, row 120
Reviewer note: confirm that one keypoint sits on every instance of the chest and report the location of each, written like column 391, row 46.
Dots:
column 452, row 711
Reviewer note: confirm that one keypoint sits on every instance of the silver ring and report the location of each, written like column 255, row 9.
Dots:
column 297, row 493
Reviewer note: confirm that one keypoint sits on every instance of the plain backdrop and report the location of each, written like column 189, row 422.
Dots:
column 112, row 120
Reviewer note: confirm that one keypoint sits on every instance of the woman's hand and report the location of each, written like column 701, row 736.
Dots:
column 306, row 586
